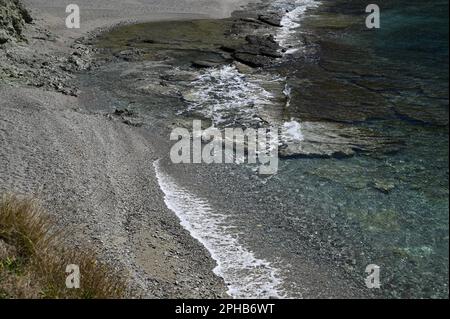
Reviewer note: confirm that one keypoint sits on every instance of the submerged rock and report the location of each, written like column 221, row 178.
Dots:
column 383, row 186
column 326, row 140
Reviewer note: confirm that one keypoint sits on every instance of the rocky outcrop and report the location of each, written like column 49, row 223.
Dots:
column 13, row 17
column 201, row 64
column 271, row 18
column 258, row 51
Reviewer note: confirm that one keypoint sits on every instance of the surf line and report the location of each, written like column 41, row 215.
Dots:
column 245, row 275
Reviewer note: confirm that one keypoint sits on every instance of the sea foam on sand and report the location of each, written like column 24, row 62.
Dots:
column 245, row 275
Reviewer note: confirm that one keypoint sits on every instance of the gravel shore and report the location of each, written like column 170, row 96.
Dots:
column 93, row 173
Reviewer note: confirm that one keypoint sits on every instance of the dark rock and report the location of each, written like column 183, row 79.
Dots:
column 255, row 61
column 228, row 49
column 205, row 64
column 123, row 112
column 271, row 18
column 147, row 41
column 264, row 41
column 383, row 186
column 258, row 52
column 276, row 54
column 249, row 49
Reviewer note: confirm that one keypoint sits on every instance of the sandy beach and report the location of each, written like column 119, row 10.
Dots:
column 104, row 13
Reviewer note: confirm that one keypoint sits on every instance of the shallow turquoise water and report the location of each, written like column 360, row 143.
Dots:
column 405, row 231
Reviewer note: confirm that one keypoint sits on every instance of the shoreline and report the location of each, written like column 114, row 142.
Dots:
column 82, row 131
column 135, row 76
column 183, row 267
column 95, row 175
column 259, row 280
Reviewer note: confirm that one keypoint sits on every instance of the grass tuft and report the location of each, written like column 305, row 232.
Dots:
column 34, row 257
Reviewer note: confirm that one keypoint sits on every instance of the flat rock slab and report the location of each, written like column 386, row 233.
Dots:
column 327, row 140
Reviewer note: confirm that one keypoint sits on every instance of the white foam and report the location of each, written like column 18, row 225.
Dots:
column 288, row 93
column 245, row 275
column 291, row 22
column 227, row 96
column 292, row 132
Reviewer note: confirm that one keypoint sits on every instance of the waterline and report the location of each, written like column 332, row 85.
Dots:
column 245, row 275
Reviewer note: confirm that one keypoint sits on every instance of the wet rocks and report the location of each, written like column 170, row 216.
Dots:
column 205, row 64
column 259, row 51
column 252, row 60
column 129, row 55
column 331, row 140
column 267, row 42
column 383, row 186
column 261, row 45
column 271, row 18
column 423, row 111
column 258, row 47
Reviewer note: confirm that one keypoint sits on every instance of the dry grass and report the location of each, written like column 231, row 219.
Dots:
column 33, row 258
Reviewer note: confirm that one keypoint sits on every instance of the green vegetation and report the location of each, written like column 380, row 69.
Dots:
column 34, row 257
